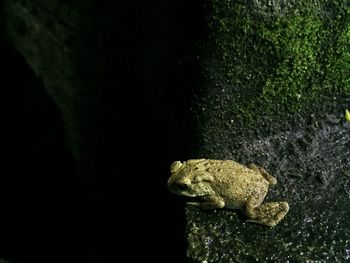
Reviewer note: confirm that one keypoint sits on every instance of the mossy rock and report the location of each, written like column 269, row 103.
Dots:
column 276, row 90
column 281, row 59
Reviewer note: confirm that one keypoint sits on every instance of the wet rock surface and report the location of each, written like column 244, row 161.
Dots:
column 312, row 167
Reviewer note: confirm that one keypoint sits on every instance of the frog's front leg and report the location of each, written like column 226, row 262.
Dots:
column 209, row 202
column 269, row 214
column 272, row 180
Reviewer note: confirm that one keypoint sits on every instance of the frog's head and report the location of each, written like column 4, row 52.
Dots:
column 188, row 179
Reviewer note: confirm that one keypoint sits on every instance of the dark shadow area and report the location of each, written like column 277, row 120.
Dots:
column 150, row 77
column 38, row 197
column 150, row 125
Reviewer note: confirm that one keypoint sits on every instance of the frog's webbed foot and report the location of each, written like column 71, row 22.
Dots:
column 269, row 214
column 209, row 202
column 272, row 180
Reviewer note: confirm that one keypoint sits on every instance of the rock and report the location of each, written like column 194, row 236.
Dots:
column 313, row 172
column 271, row 98
column 268, row 84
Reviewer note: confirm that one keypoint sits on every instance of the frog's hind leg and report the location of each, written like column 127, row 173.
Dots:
column 269, row 214
column 272, row 180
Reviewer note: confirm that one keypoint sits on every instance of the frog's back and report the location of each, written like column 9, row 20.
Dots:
column 225, row 167
column 225, row 170
column 234, row 182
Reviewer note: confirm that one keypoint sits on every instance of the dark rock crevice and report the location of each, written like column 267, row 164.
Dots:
column 39, row 201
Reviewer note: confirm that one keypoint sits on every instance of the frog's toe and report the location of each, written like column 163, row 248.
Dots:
column 284, row 206
column 280, row 214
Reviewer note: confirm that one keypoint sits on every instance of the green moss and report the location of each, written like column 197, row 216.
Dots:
column 279, row 60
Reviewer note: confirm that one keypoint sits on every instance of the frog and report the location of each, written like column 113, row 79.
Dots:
column 226, row 184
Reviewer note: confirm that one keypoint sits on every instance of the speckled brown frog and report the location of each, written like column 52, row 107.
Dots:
column 225, row 183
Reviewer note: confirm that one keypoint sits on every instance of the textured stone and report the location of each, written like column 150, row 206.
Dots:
column 312, row 168
column 275, row 94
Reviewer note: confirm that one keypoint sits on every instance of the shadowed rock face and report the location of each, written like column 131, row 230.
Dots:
column 39, row 195
column 122, row 75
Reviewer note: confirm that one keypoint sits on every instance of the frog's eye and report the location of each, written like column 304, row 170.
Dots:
column 182, row 186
